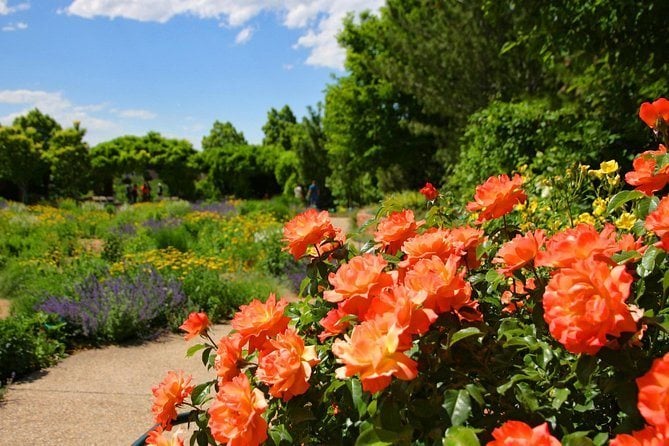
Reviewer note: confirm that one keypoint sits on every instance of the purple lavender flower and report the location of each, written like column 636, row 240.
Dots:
column 222, row 208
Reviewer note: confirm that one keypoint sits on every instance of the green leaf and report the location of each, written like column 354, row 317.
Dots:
column 623, row 197
column 665, row 282
column 458, row 405
column 559, row 396
column 280, row 435
column 647, row 265
column 357, row 396
column 463, row 334
column 577, row 439
column 194, row 349
column 200, row 392
column 460, row 436
column 376, row 436
column 205, row 356
column 476, row 393
column 625, row 256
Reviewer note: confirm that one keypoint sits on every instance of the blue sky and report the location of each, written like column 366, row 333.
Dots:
column 173, row 66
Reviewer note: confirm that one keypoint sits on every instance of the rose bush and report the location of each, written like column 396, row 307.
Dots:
column 538, row 317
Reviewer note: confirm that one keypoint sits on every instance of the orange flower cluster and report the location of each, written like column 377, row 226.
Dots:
column 517, row 433
column 284, row 364
column 170, row 393
column 497, row 197
column 658, row 222
column 311, row 228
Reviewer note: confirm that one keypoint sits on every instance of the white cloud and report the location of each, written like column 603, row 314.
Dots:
column 320, row 19
column 6, row 9
column 244, row 35
column 136, row 114
column 100, row 120
column 18, row 26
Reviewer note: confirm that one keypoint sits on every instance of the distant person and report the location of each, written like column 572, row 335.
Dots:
column 135, row 193
column 146, row 192
column 312, row 194
column 159, row 190
column 299, row 193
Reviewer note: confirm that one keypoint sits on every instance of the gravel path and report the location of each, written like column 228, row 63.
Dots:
column 95, row 397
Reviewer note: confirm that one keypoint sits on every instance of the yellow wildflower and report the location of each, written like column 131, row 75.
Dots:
column 586, row 218
column 599, row 206
column 626, row 221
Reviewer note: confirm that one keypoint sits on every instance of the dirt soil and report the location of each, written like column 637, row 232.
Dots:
column 4, row 308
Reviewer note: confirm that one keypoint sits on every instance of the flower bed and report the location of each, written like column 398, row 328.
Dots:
column 536, row 317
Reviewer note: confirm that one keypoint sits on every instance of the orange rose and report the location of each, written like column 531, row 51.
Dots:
column 403, row 308
column 578, row 243
column 286, row 366
column 228, row 354
column 585, row 304
column 395, row 229
column 470, row 238
column 157, row 437
column 646, row 177
column 333, row 324
column 258, row 321
column 519, row 252
column 235, row 415
column 653, row 401
column 645, row 437
column 517, row 433
column 170, row 393
column 308, row 228
column 658, row 220
column 372, row 353
column 497, row 197
column 357, row 281
column 195, row 325
column 654, row 113
column 429, row 192
column 446, row 289
column 435, row 242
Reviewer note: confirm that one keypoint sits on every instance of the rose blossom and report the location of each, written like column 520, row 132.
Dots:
column 235, row 415
column 258, row 321
column 195, row 325
column 168, row 394
column 586, row 304
column 517, row 433
column 497, row 197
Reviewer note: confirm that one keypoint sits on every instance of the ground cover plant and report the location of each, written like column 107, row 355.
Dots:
column 535, row 316
column 106, row 274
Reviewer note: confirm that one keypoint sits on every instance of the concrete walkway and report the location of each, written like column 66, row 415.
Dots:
column 95, row 397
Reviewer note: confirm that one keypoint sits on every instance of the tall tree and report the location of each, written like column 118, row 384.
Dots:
column 279, row 127
column 20, row 159
column 69, row 161
column 221, row 135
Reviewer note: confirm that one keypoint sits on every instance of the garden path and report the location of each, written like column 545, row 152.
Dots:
column 95, row 397
column 4, row 308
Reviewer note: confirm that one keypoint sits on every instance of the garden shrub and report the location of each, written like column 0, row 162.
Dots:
column 504, row 135
column 221, row 294
column 281, row 207
column 116, row 309
column 28, row 344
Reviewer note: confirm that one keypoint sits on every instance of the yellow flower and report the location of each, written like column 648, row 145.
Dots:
column 613, row 181
column 583, row 168
column 599, row 206
column 586, row 218
column 609, row 167
column 626, row 221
